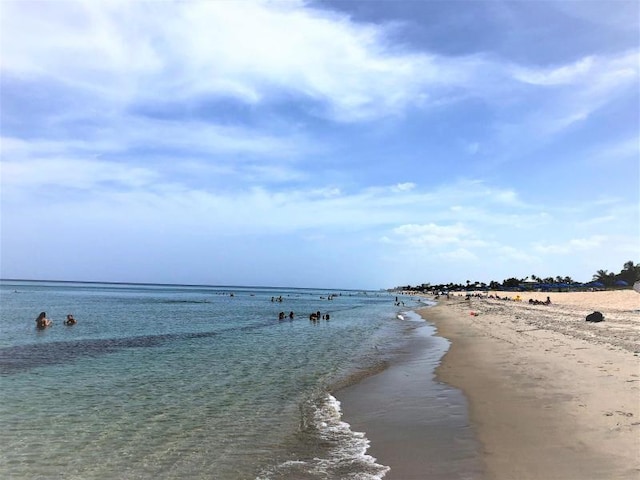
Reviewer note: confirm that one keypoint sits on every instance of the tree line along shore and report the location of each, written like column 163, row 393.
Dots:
column 602, row 279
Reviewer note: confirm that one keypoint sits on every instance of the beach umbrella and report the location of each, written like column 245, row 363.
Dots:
column 597, row 284
column 621, row 283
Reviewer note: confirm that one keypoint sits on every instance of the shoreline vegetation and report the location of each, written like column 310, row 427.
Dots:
column 550, row 395
column 602, row 279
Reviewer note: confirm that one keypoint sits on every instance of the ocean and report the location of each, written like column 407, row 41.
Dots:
column 198, row 382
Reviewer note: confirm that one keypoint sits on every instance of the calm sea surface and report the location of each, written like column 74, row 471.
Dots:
column 158, row 382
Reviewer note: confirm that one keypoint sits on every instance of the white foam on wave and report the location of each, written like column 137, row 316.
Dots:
column 350, row 448
column 346, row 454
column 412, row 316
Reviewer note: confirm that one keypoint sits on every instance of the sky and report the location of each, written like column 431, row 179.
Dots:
column 329, row 144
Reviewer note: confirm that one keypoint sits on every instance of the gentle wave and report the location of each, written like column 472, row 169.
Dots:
column 342, row 452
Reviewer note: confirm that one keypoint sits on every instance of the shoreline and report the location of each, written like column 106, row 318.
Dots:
column 416, row 425
column 520, row 391
column 550, row 395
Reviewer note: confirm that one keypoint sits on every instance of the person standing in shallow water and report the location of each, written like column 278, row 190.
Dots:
column 42, row 321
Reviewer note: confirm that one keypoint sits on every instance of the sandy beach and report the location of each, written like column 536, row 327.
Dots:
column 550, row 395
column 523, row 392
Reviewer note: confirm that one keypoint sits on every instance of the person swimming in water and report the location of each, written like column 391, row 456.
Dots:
column 42, row 321
column 70, row 320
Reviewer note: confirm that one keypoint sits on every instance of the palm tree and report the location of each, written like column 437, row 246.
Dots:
column 604, row 276
column 630, row 273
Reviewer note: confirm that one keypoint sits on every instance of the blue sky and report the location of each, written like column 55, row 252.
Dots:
column 319, row 144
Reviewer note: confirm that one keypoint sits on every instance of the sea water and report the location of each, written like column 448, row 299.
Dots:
column 158, row 381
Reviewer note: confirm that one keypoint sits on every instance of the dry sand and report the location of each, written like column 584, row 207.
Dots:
column 550, row 395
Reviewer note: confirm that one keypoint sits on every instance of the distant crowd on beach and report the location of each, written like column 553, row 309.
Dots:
column 43, row 322
column 517, row 298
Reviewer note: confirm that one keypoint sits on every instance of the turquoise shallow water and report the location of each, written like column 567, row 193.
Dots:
column 186, row 382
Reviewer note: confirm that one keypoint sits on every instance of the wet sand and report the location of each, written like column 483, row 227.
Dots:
column 542, row 394
column 416, row 425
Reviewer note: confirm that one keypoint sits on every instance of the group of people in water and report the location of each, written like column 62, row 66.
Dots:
column 43, row 322
column 314, row 317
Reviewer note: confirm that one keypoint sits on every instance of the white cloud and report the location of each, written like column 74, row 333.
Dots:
column 565, row 74
column 183, row 147
column 430, row 235
column 258, row 52
column 63, row 173
column 178, row 50
column 145, row 190
column 404, row 187
column 506, row 196
column 453, row 242
column 135, row 54
column 556, row 99
column 572, row 245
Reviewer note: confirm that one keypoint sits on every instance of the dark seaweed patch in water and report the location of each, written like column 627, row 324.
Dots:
column 184, row 301
column 25, row 357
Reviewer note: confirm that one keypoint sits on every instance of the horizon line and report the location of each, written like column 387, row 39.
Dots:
column 94, row 282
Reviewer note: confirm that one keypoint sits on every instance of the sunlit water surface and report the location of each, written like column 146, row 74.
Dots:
column 186, row 382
